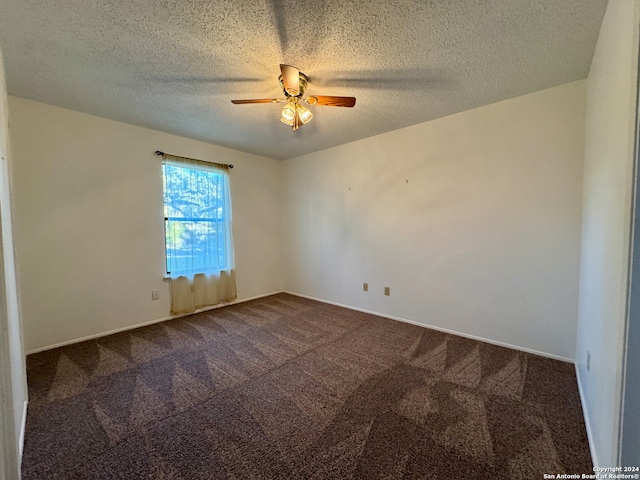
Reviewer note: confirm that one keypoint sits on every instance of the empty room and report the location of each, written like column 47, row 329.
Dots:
column 269, row 239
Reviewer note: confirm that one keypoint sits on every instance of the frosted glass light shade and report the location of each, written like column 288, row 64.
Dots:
column 293, row 109
column 305, row 114
column 288, row 112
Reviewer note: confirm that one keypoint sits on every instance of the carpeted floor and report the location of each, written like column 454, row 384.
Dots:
column 283, row 387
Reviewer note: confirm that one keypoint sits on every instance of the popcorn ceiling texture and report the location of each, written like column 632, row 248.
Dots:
column 175, row 65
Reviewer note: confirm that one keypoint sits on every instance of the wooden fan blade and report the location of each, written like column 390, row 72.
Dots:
column 330, row 101
column 290, row 79
column 258, row 100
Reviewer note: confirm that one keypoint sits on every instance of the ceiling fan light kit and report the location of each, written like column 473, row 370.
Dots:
column 294, row 114
column 294, row 83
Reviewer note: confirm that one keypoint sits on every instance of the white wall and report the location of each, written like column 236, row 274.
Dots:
column 473, row 220
column 13, row 382
column 608, row 180
column 89, row 223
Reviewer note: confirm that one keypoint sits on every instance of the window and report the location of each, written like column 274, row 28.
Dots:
column 197, row 217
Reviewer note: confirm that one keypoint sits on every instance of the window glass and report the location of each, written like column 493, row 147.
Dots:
column 197, row 218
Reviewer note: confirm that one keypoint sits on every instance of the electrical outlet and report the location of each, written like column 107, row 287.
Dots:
column 588, row 360
column 365, row 287
column 155, row 294
column 387, row 291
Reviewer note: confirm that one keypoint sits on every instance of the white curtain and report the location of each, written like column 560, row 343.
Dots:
column 188, row 294
column 198, row 205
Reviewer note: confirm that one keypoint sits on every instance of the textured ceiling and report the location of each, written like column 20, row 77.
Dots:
column 175, row 65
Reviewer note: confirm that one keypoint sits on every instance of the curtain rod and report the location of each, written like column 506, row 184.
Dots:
column 161, row 154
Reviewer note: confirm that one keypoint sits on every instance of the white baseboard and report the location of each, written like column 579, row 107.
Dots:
column 23, row 427
column 144, row 324
column 587, row 422
column 440, row 329
column 350, row 307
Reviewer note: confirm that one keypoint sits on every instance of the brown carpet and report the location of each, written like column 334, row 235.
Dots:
column 284, row 387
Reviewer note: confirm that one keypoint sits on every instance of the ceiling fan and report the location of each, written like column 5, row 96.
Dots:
column 294, row 83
